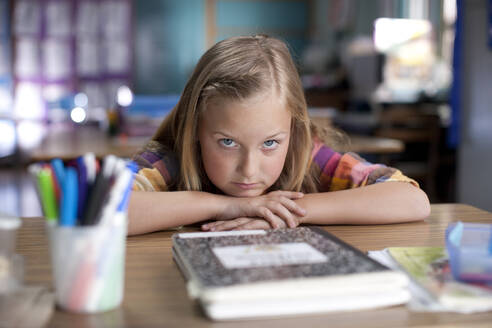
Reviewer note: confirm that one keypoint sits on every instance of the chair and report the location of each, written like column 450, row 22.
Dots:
column 418, row 126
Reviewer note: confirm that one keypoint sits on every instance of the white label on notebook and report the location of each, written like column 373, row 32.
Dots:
column 221, row 233
column 249, row 256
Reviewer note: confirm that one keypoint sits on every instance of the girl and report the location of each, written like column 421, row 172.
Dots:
column 240, row 151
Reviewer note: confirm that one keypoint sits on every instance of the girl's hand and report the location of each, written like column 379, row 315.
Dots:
column 277, row 208
column 238, row 224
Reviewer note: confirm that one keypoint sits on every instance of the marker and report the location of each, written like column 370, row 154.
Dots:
column 132, row 166
column 57, row 187
column 83, row 186
column 48, row 201
column 99, row 191
column 68, row 215
column 90, row 165
column 126, row 196
column 59, row 168
column 116, row 196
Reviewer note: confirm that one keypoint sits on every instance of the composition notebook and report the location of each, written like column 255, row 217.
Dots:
column 268, row 273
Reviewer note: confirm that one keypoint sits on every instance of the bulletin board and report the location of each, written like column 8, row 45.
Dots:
column 62, row 47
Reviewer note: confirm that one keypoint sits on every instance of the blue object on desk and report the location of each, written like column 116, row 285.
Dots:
column 469, row 246
column 59, row 169
column 68, row 213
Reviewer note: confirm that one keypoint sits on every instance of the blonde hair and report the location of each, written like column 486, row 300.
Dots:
column 238, row 68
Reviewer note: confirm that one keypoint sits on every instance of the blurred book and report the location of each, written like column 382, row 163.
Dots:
column 258, row 273
column 432, row 285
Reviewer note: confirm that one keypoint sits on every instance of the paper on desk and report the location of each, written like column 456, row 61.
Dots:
column 432, row 286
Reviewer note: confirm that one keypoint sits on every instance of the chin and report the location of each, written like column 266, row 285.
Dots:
column 244, row 193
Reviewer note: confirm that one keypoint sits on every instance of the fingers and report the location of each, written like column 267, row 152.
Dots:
column 275, row 221
column 237, row 224
column 224, row 225
column 286, row 199
column 254, row 224
column 278, row 208
column 293, row 206
column 210, row 225
column 277, row 215
column 284, row 209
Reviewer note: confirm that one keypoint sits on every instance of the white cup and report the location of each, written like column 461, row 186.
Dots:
column 8, row 232
column 88, row 265
column 11, row 264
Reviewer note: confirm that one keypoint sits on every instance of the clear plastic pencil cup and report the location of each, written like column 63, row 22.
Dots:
column 11, row 264
column 88, row 264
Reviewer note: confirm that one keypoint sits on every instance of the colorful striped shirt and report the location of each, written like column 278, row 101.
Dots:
column 159, row 169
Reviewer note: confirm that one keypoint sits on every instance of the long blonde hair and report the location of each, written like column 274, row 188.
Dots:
column 238, row 68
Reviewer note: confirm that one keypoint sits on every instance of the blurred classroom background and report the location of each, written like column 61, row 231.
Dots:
column 410, row 81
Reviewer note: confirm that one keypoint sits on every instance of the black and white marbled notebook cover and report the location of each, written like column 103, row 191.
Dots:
column 197, row 255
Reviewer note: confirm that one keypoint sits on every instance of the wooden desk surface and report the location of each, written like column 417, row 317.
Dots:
column 155, row 293
column 375, row 145
column 68, row 143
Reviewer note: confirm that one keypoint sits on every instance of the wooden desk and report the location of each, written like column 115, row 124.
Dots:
column 375, row 145
column 155, row 293
column 68, row 143
column 362, row 144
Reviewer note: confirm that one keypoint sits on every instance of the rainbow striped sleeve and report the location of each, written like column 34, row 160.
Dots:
column 349, row 170
column 157, row 168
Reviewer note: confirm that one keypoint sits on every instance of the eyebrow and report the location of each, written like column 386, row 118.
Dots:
column 269, row 137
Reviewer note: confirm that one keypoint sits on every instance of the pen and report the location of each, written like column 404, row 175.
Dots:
column 59, row 168
column 126, row 197
column 68, row 215
column 100, row 190
column 48, row 201
column 57, row 188
column 116, row 195
column 90, row 165
column 83, row 186
column 132, row 166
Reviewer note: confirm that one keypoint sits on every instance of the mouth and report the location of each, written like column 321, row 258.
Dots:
column 246, row 186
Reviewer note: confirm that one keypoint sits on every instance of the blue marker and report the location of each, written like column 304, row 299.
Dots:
column 132, row 166
column 123, row 205
column 59, row 169
column 68, row 215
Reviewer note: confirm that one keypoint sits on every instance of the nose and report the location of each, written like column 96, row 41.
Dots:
column 248, row 165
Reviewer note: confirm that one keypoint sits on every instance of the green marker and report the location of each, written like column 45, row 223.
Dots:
column 48, row 201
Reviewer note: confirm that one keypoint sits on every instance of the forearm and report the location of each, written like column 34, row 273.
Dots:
column 152, row 211
column 388, row 202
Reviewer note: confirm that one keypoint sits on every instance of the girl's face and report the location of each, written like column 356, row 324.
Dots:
column 244, row 144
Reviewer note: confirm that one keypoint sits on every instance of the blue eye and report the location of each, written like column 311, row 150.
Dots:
column 226, row 142
column 270, row 144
